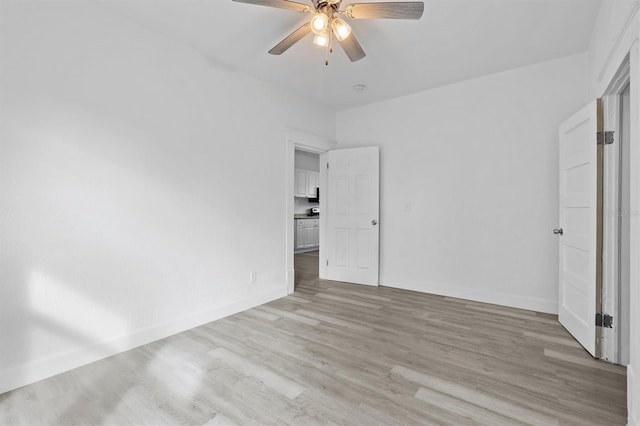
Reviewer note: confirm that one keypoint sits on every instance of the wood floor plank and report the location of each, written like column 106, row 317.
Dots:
column 525, row 316
column 297, row 299
column 332, row 320
column 358, row 293
column 279, row 384
column 586, row 362
column 289, row 315
column 220, row 420
column 475, row 397
column 566, row 341
column 351, row 301
column 261, row 314
column 475, row 413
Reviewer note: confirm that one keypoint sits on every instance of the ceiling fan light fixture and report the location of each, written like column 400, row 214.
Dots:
column 323, row 21
column 321, row 40
column 319, row 23
column 341, row 29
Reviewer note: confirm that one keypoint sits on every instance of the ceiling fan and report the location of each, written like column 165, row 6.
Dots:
column 326, row 25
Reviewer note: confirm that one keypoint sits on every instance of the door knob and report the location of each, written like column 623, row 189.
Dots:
column 374, row 222
column 558, row 231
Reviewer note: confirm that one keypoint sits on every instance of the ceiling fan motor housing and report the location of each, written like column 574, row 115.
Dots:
column 332, row 3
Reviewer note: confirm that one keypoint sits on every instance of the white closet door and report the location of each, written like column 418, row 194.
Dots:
column 578, row 226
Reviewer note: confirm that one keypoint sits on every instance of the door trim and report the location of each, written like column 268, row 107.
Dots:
column 599, row 229
column 303, row 141
column 633, row 370
column 610, row 337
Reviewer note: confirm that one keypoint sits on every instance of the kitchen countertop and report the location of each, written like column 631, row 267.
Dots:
column 305, row 216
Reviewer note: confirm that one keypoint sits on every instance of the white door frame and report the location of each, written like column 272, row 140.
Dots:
column 302, row 141
column 611, row 338
column 633, row 370
column 627, row 44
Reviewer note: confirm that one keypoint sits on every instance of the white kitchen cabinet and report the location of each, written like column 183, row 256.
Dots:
column 306, row 183
column 307, row 234
column 301, row 181
column 315, row 237
column 308, row 237
column 313, row 181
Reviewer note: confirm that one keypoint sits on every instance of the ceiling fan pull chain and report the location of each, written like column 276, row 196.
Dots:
column 326, row 51
column 331, row 31
column 330, row 45
column 326, row 54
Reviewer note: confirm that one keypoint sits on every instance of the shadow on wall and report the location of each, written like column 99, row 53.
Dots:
column 157, row 378
column 57, row 316
column 56, row 313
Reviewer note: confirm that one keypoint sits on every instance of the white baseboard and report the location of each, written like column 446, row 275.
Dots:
column 484, row 296
column 43, row 368
column 291, row 277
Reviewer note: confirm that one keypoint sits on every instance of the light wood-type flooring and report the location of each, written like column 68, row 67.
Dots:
column 336, row 353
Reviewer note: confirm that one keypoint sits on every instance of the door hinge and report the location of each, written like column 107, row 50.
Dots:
column 604, row 320
column 327, row 166
column 605, row 138
column 327, row 262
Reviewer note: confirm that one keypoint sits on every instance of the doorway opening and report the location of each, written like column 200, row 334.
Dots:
column 349, row 235
column 298, row 141
column 306, row 216
column 616, row 266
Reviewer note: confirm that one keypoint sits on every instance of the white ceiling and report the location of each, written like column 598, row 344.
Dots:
column 455, row 40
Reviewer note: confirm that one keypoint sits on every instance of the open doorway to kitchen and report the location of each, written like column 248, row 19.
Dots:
column 307, row 211
column 306, row 202
column 304, row 191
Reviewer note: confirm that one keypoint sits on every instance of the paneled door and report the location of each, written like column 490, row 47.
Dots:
column 579, row 286
column 353, row 197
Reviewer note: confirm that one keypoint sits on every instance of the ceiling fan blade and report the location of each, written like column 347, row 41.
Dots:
column 280, row 4
column 291, row 39
column 389, row 10
column 352, row 48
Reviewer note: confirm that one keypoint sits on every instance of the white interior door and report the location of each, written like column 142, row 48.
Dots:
column 352, row 210
column 578, row 224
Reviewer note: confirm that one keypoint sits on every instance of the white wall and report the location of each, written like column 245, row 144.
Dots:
column 469, row 183
column 130, row 172
column 307, row 161
column 615, row 36
column 302, row 205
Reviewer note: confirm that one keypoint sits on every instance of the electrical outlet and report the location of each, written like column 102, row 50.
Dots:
column 253, row 277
